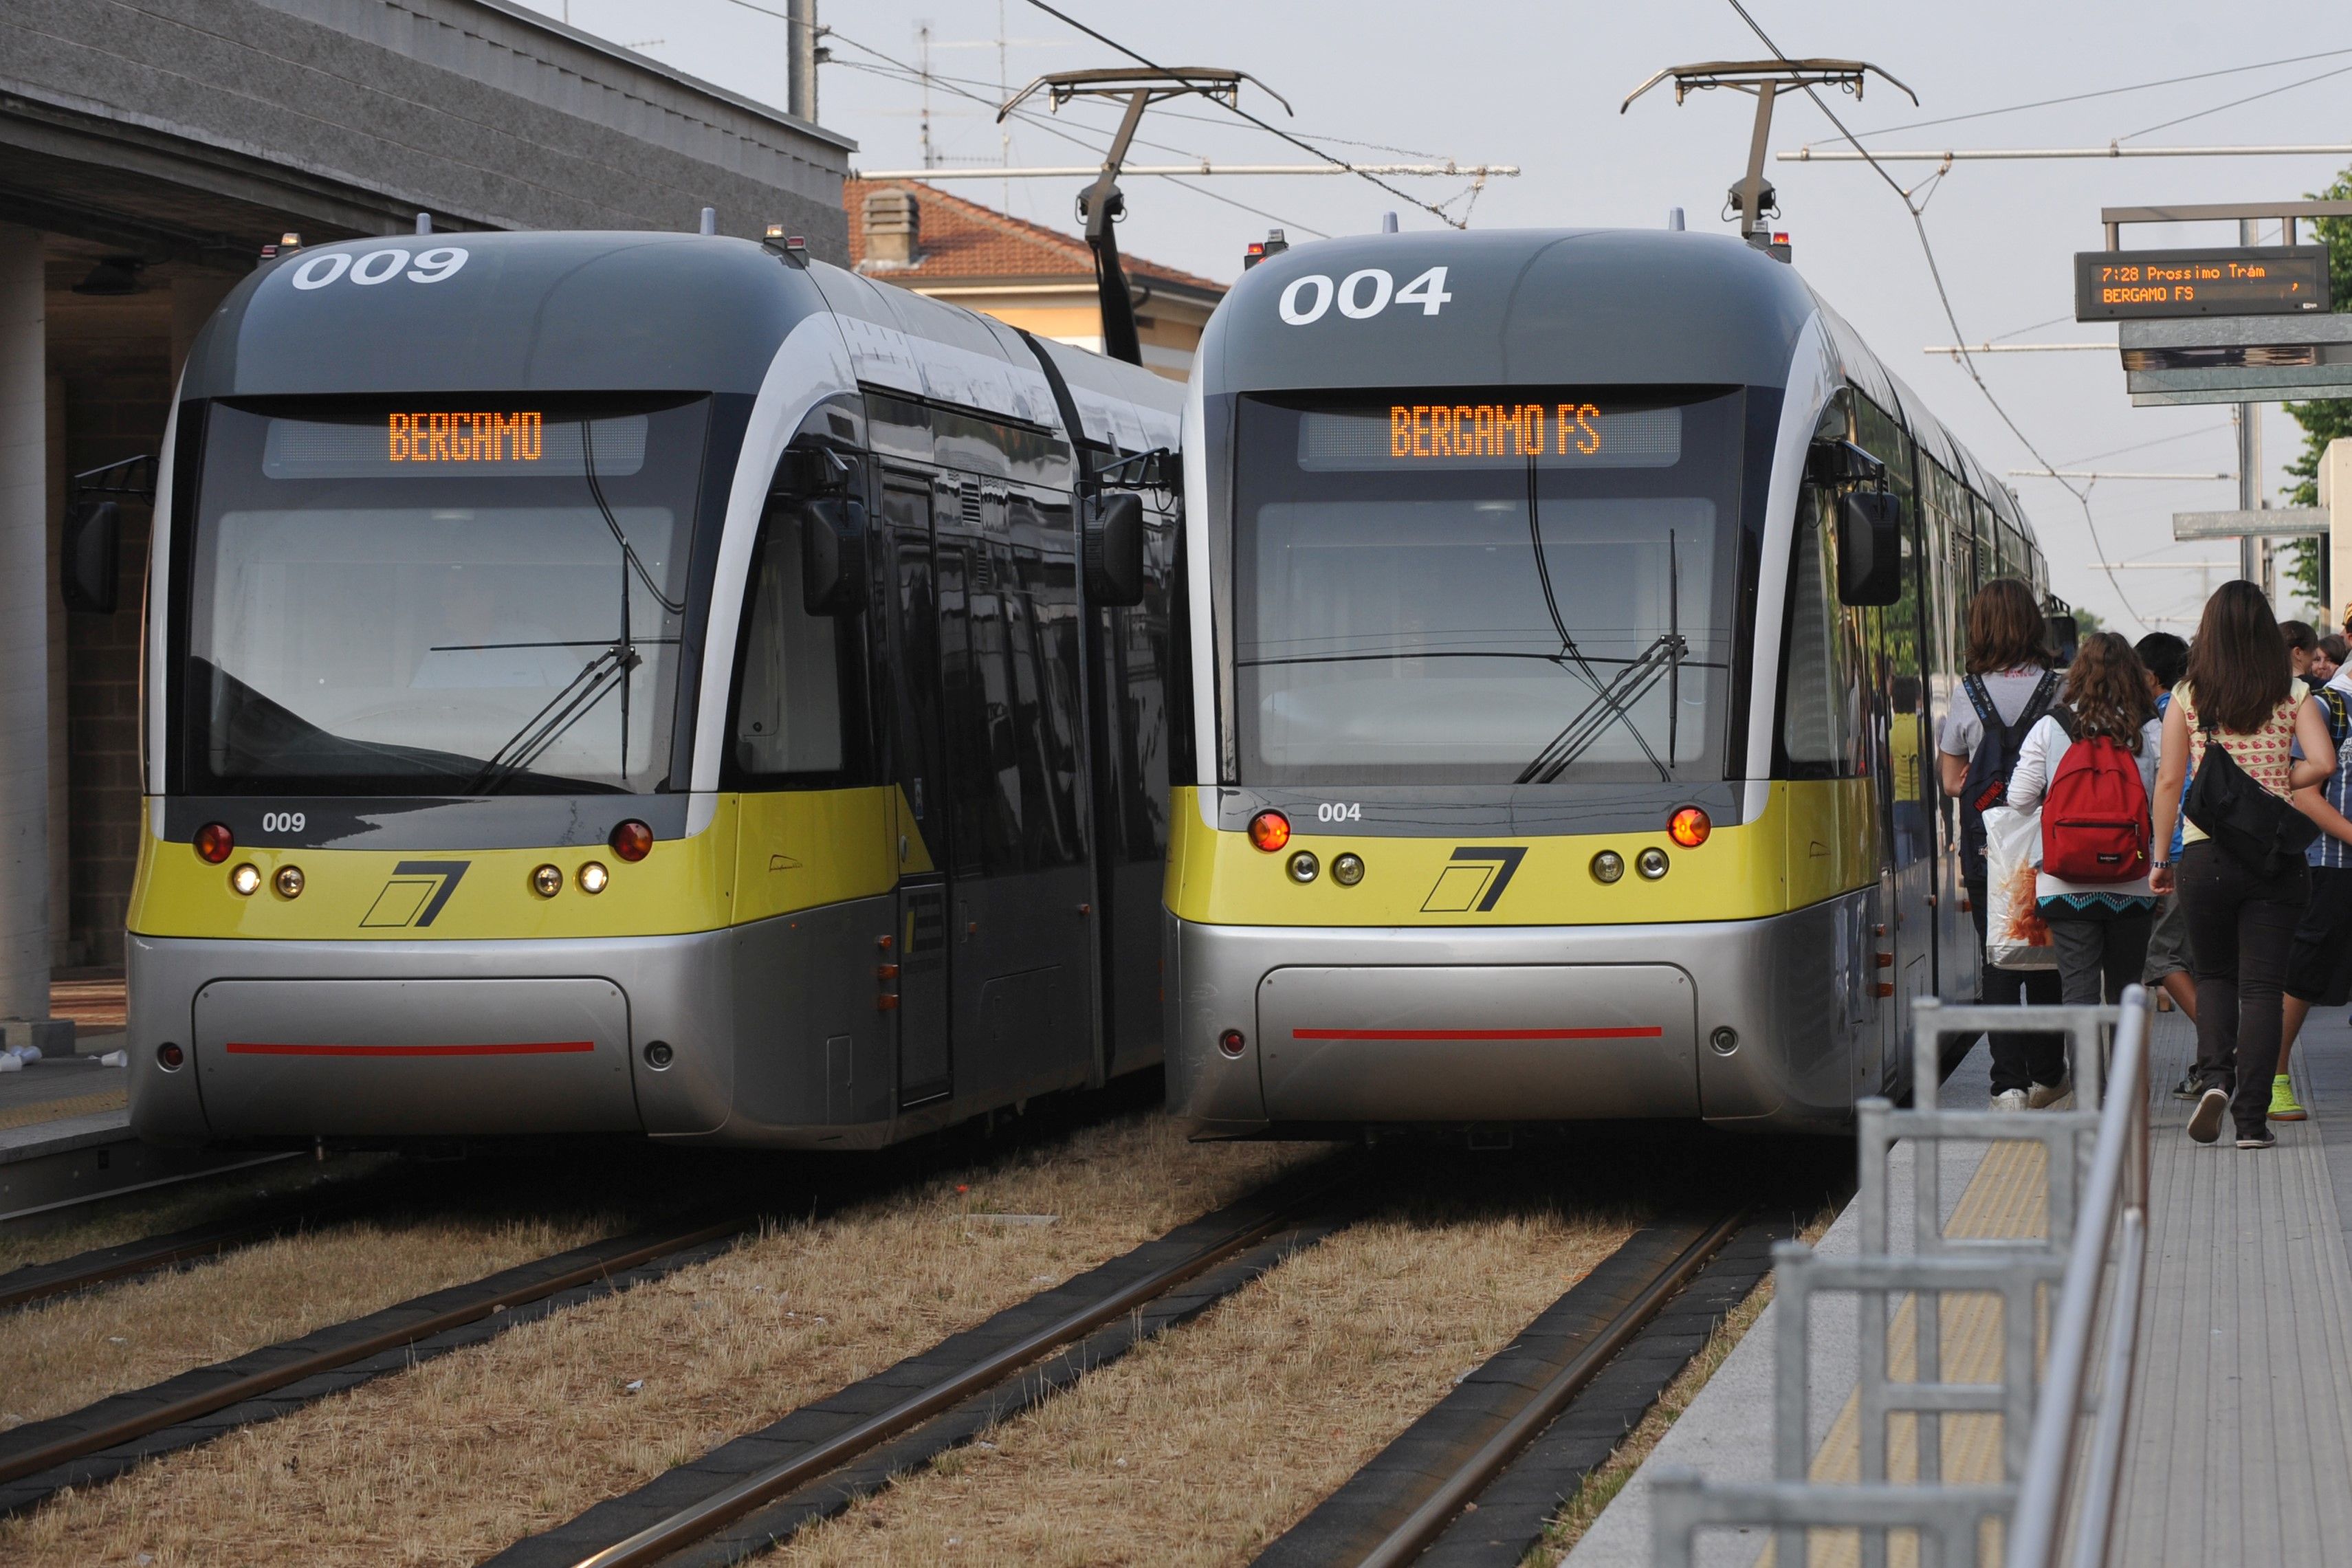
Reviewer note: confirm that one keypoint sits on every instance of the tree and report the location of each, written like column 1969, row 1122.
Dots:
column 2324, row 419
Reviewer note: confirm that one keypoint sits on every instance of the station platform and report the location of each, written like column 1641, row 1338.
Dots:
column 2239, row 1441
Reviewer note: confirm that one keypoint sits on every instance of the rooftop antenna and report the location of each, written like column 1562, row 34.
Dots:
column 1101, row 204
column 1766, row 78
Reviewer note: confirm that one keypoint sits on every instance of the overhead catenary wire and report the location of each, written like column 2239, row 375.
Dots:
column 1271, row 129
column 2235, row 102
column 2107, row 92
column 903, row 71
column 1951, row 317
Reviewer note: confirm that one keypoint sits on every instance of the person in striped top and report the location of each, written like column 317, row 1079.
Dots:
column 2319, row 965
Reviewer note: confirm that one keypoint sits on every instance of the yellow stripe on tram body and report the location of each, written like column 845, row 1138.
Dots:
column 762, row 855
column 1812, row 842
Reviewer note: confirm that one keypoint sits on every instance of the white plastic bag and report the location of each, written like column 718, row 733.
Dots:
column 2016, row 936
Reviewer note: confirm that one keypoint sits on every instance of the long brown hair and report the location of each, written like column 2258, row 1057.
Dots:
column 2107, row 689
column 2005, row 628
column 2237, row 666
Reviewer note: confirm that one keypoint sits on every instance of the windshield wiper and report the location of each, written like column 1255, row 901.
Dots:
column 567, row 707
column 1611, row 704
column 1622, row 690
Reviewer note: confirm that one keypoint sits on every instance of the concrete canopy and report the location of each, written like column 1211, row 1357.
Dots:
column 199, row 130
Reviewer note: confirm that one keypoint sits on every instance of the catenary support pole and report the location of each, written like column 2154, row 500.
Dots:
column 2249, row 454
column 24, row 632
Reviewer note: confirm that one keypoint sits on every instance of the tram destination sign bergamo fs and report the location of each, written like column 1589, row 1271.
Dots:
column 2275, row 280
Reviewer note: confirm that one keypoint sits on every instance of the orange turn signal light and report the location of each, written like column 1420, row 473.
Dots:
column 632, row 840
column 1689, row 827
column 214, row 842
column 1269, row 831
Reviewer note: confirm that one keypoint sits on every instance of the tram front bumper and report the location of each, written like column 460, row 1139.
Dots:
column 1734, row 1022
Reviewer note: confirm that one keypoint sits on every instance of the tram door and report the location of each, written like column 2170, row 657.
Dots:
column 925, row 1057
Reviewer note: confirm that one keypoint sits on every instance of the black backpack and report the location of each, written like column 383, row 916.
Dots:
column 1994, row 760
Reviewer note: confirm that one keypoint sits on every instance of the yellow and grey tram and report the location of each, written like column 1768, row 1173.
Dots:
column 650, row 684
column 1569, row 615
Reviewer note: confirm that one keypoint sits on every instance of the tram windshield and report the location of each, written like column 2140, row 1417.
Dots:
column 437, row 599
column 1522, row 587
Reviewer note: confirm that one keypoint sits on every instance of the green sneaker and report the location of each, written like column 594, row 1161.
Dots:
column 2285, row 1107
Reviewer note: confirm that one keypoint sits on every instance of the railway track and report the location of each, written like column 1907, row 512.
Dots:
column 756, row 1492
column 103, row 1439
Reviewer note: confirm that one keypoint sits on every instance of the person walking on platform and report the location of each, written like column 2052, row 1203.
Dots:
column 2090, row 768
column 2008, row 688
column 2165, row 656
column 2319, row 965
column 2243, row 883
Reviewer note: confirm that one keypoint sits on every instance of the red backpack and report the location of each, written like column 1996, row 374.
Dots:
column 2095, row 822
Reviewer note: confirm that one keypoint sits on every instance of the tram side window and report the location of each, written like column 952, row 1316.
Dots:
column 788, row 715
column 1818, row 700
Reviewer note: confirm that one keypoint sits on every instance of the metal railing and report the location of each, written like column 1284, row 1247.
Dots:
column 2096, row 1197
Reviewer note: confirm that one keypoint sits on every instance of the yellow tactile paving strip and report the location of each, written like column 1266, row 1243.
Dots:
column 40, row 1111
column 2007, row 1198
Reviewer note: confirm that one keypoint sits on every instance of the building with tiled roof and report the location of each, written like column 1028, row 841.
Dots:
column 1023, row 273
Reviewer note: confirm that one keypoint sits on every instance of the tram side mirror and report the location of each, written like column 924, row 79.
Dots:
column 1114, row 550
column 1870, row 548
column 89, row 563
column 2063, row 637
column 832, row 556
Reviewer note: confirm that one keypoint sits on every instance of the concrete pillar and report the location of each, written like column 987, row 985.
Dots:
column 23, row 631
column 2335, row 495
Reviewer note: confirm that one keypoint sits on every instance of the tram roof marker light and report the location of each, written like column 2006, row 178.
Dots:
column 1101, row 204
column 1752, row 194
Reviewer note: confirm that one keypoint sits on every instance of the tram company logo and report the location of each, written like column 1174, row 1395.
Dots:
column 418, row 890
column 1474, row 878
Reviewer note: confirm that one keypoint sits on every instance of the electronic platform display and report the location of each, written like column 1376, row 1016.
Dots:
column 2244, row 280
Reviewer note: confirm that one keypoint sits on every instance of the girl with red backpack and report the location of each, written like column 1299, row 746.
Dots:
column 2090, row 767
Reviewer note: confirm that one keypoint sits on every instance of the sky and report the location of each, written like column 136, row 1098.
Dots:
column 1538, row 83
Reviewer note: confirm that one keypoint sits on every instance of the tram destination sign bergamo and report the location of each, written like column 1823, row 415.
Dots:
column 2275, row 280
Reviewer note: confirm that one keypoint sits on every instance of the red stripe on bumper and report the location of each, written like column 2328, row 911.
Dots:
column 519, row 1047
column 1648, row 1032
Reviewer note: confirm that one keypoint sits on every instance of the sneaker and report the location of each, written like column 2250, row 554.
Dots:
column 2041, row 1097
column 2262, row 1140
column 2285, row 1107
column 2205, row 1122
column 2009, row 1099
column 2190, row 1087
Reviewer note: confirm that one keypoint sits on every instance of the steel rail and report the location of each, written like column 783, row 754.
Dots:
column 39, row 1281
column 721, row 1509
column 1425, row 1523
column 2114, row 1196
column 190, row 1407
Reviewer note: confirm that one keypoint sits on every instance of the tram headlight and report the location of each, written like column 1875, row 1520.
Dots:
column 214, row 842
column 1269, row 831
column 1304, row 867
column 1608, row 866
column 1348, row 869
column 594, row 877
column 1651, row 862
column 1689, row 827
column 288, row 882
column 547, row 881
column 246, row 880
column 632, row 841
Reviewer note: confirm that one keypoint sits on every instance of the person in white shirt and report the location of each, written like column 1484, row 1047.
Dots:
column 2099, row 930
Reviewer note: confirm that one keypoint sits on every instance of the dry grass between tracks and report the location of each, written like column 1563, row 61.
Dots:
column 59, row 1355
column 450, row 1462
column 1203, row 1446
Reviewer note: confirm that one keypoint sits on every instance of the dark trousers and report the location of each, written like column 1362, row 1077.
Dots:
column 2101, row 950
column 2020, row 1061
column 2240, row 934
